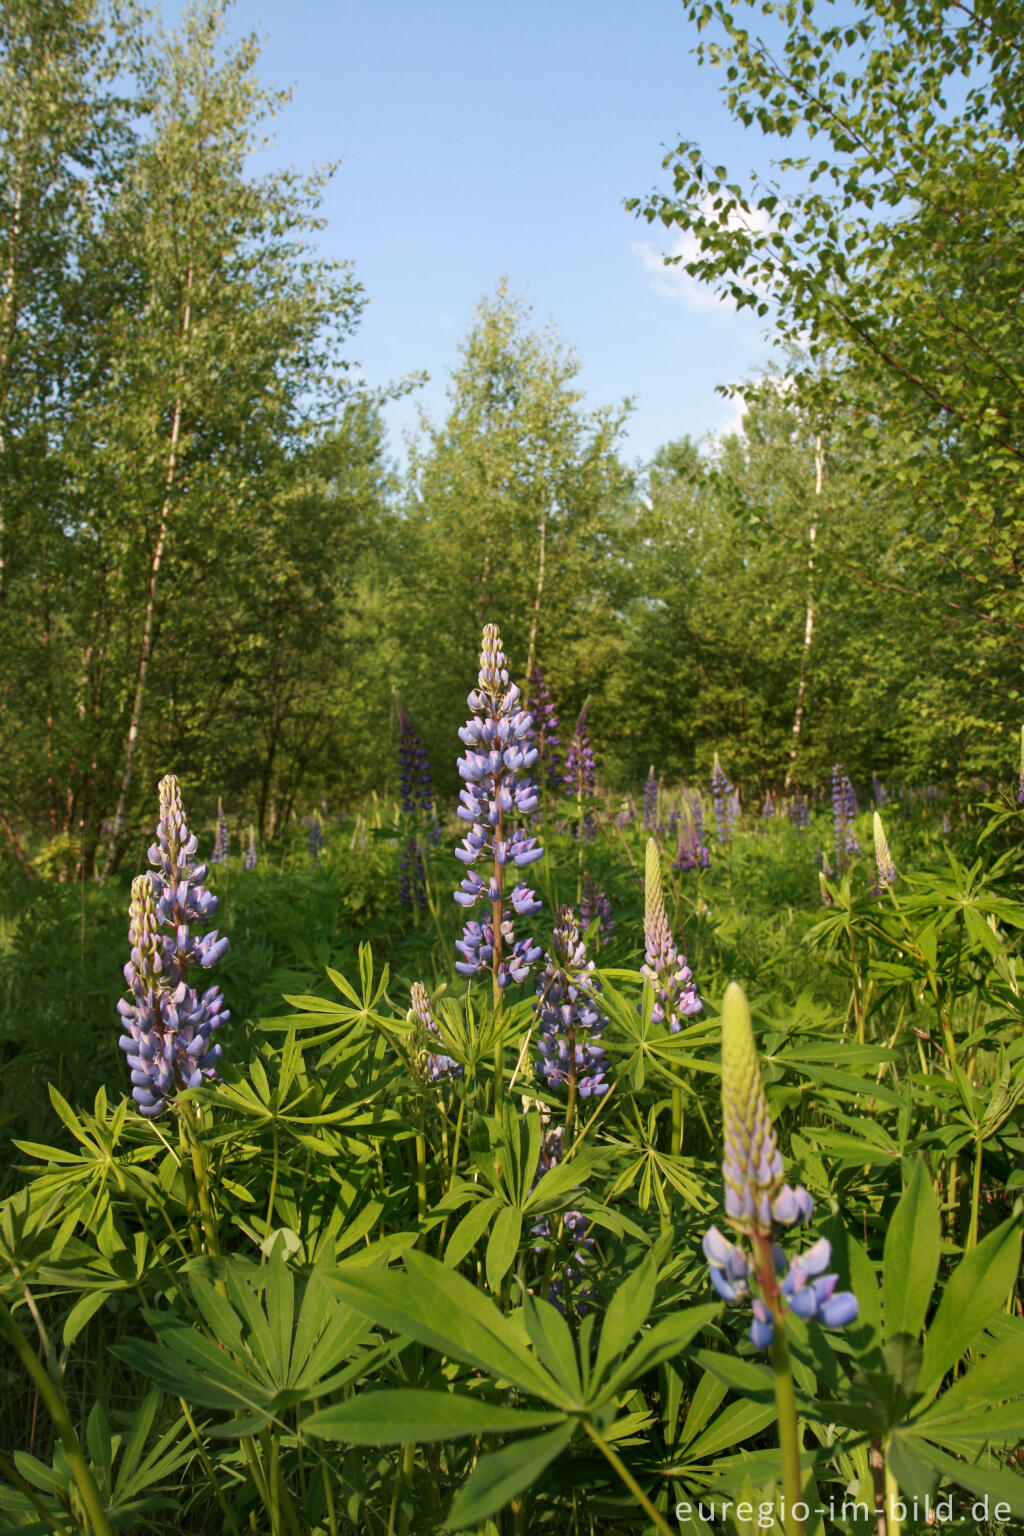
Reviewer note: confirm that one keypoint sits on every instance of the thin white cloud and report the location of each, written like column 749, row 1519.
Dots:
column 674, row 282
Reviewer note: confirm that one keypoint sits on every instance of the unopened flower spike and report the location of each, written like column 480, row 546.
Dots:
column 758, row 1202
column 883, row 858
column 675, row 996
column 436, row 1066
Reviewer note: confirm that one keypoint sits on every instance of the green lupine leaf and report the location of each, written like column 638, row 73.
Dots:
column 976, row 1290
column 911, row 1262
column 499, row 1476
column 396, row 1417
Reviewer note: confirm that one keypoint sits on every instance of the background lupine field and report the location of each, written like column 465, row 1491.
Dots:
column 510, row 963
column 375, row 1224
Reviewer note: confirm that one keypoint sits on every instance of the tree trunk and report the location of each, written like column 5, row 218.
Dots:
column 145, row 650
column 819, row 470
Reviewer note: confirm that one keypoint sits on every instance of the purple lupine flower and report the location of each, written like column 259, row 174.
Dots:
column 691, row 852
column 316, row 838
column 675, row 996
column 569, row 1021
column 567, row 1285
column 627, row 815
column 768, row 809
column 722, row 795
column 168, row 1023
column 581, row 771
column 758, row 1202
column 545, row 731
column 220, row 842
column 880, row 792
column 800, row 812
column 249, row 860
column 415, row 786
column 844, row 810
column 650, row 801
column 436, row 1066
column 594, row 903
column 497, row 786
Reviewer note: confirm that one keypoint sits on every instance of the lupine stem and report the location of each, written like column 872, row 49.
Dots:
column 58, row 1410
column 785, row 1396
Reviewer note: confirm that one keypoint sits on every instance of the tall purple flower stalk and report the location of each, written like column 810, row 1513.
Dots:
column 316, row 838
column 249, row 859
column 581, row 770
column 768, row 809
column 168, row 1023
column 650, row 801
column 722, row 794
column 758, row 1202
column 415, row 786
column 800, row 812
column 569, row 1022
column 545, row 731
column 675, row 996
column 595, row 903
column 497, row 789
column 691, row 852
column 844, row 811
column 568, row 1285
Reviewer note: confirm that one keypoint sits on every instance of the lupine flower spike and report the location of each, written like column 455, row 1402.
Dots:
column 497, row 788
column 436, row 1067
column 168, row 1024
column 595, row 903
column 758, row 1202
column 723, row 796
column 675, row 996
column 883, row 858
column 220, row 842
column 545, row 731
column 568, row 1018
column 650, row 801
column 249, row 859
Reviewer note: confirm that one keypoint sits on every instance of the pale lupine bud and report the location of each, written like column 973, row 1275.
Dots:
column 675, row 996
column 883, row 858
column 758, row 1201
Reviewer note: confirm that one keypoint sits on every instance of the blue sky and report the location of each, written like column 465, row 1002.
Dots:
column 479, row 138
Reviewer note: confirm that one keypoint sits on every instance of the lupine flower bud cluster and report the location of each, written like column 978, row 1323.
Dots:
column 675, row 996
column 594, row 903
column 569, row 1022
column 844, row 811
column 725, row 802
column 758, row 1202
column 497, row 787
column 168, row 1023
column 436, row 1066
column 691, row 852
column 545, row 731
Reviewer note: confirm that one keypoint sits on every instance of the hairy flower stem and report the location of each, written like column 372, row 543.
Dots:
column 57, row 1408
column 785, row 1396
column 626, row 1476
column 190, row 1117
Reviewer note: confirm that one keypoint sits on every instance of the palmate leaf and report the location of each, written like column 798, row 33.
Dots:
column 499, row 1476
column 396, row 1417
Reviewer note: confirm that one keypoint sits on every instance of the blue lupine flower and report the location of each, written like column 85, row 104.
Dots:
column 568, row 1018
column 725, row 802
column 800, row 812
column 675, row 996
column 844, row 811
column 594, row 903
column 568, row 1284
column 758, row 1201
column 249, row 861
column 220, row 842
column 414, row 782
column 497, row 787
column 412, row 874
column 437, row 1066
column 168, row 1023
column 316, row 838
